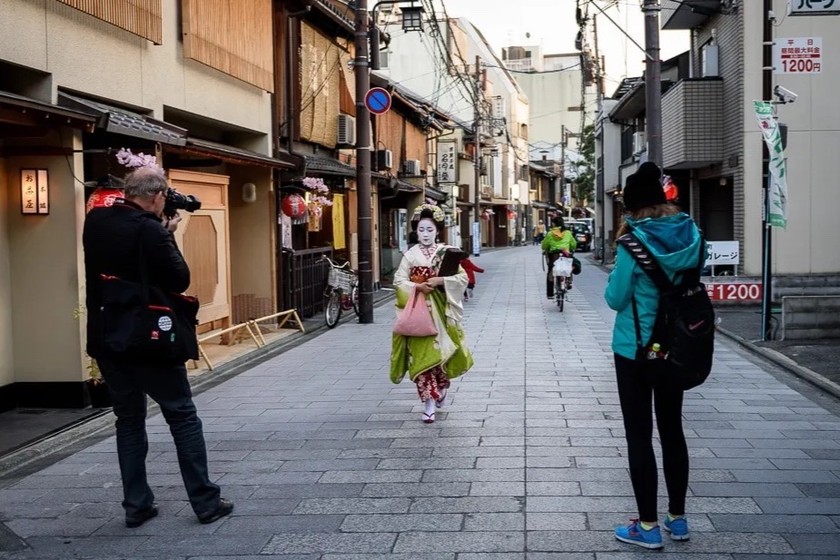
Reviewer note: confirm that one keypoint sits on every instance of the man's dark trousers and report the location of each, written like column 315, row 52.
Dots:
column 129, row 383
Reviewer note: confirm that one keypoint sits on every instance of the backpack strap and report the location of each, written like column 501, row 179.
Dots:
column 646, row 261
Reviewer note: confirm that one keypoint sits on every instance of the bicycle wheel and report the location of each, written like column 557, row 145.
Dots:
column 332, row 308
column 354, row 297
column 560, row 291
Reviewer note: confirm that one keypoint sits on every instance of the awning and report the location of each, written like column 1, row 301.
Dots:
column 17, row 110
column 328, row 166
column 538, row 204
column 232, row 154
column 435, row 194
column 122, row 121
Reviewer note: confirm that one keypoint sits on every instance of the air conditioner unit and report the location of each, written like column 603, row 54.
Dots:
column 412, row 167
column 346, row 130
column 639, row 142
column 384, row 159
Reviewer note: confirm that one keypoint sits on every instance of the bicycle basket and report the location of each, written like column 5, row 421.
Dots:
column 563, row 267
column 340, row 278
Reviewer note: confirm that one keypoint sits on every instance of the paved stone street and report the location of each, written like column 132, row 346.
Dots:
column 327, row 460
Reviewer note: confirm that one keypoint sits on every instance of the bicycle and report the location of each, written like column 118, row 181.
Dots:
column 341, row 292
column 562, row 271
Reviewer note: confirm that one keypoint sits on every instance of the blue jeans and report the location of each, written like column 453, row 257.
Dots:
column 128, row 384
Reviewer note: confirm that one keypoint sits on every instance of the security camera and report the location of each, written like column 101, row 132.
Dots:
column 784, row 94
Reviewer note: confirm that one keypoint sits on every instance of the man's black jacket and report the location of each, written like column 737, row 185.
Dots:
column 112, row 239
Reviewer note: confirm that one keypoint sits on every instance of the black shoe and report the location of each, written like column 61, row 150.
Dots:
column 224, row 508
column 134, row 521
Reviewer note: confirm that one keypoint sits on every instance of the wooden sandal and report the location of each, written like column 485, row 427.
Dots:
column 428, row 418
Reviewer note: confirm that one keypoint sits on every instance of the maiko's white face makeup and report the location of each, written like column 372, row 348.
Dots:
column 426, row 232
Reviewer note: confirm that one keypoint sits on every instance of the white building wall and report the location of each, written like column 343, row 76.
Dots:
column 808, row 245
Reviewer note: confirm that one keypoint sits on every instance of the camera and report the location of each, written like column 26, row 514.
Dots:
column 176, row 201
column 784, row 94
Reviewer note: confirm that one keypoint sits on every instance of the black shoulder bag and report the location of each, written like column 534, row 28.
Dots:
column 683, row 338
column 145, row 323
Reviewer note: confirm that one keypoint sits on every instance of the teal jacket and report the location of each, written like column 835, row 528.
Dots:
column 675, row 242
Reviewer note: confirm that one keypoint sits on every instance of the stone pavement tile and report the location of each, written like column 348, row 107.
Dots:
column 474, row 475
column 827, row 490
column 745, row 489
column 597, row 521
column 368, row 544
column 770, row 523
column 64, row 526
column 307, row 491
column 268, row 524
column 494, row 522
column 62, row 548
column 487, row 541
column 347, row 506
column 725, row 543
column 168, row 522
column 553, row 488
column 815, row 543
column 782, row 557
column 781, row 476
column 470, row 504
column 402, row 523
column 411, row 556
column 342, row 477
column 410, row 489
column 556, row 521
column 799, row 506
column 497, row 489
column 766, row 453
column 430, row 463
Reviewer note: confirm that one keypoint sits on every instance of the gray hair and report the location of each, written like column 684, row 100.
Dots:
column 145, row 182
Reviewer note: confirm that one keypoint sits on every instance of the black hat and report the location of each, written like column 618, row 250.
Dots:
column 644, row 188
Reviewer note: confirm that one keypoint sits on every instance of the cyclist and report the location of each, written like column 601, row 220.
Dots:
column 558, row 241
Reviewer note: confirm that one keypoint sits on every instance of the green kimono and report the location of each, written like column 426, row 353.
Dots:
column 416, row 355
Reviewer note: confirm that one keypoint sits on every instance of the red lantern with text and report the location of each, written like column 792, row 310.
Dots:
column 102, row 197
column 294, row 206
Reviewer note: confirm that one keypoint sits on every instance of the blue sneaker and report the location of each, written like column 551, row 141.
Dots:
column 635, row 534
column 678, row 528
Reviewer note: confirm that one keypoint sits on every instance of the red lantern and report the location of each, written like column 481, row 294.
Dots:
column 672, row 193
column 102, row 196
column 294, row 206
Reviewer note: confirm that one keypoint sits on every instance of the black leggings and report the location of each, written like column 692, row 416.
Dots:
column 637, row 386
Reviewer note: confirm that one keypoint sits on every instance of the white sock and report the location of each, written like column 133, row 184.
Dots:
column 430, row 406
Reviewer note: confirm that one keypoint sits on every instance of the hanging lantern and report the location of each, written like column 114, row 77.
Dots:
column 102, row 197
column 672, row 193
column 294, row 206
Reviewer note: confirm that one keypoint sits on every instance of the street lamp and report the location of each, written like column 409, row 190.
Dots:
column 361, row 71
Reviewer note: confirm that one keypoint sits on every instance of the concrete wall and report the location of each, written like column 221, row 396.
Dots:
column 808, row 245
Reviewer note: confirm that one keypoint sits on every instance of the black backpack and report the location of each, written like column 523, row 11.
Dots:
column 685, row 319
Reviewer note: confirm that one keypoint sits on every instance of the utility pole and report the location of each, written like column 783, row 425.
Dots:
column 653, row 82
column 361, row 71
column 479, row 96
column 766, row 238
column 563, row 167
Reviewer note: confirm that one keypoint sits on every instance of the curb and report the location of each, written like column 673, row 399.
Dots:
column 785, row 363
column 96, row 426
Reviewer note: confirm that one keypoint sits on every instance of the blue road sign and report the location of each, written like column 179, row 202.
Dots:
column 378, row 100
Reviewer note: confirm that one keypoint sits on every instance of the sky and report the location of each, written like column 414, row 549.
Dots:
column 551, row 24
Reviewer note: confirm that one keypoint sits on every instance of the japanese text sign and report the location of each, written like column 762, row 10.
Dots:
column 722, row 252
column 814, row 7
column 34, row 191
column 447, row 162
column 797, row 55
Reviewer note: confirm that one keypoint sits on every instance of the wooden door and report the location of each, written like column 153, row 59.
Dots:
column 204, row 239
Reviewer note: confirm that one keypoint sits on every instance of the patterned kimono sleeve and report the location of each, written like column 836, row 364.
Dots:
column 454, row 287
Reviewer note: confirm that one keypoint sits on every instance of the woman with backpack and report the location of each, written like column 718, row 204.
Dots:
column 672, row 238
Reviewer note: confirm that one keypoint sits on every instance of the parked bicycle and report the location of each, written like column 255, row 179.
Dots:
column 341, row 292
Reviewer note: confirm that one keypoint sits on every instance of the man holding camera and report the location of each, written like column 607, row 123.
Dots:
column 132, row 240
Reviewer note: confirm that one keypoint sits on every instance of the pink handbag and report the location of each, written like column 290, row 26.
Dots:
column 415, row 319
